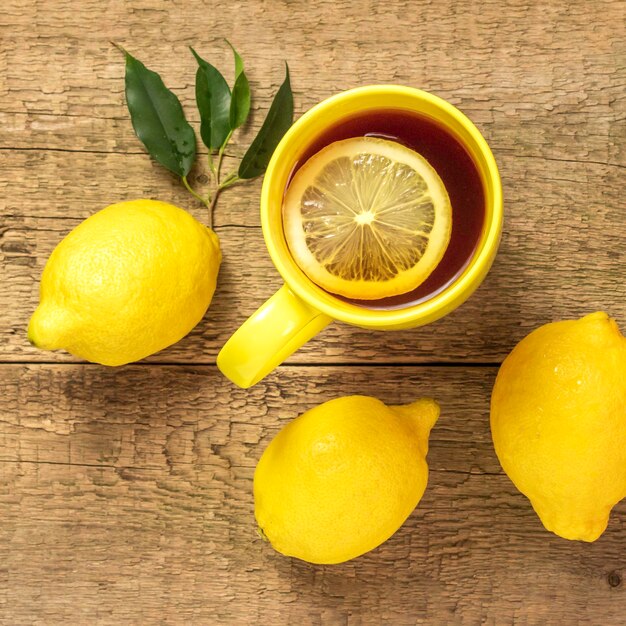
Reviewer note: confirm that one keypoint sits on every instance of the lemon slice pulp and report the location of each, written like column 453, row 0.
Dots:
column 367, row 218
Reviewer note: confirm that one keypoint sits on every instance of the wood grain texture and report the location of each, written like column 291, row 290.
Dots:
column 548, row 96
column 125, row 495
column 561, row 256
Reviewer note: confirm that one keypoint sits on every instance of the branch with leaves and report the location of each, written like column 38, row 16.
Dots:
column 160, row 123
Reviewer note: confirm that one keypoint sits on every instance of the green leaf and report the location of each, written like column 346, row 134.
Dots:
column 240, row 100
column 213, row 100
column 158, row 118
column 276, row 124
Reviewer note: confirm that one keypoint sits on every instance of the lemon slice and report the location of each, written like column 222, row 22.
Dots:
column 367, row 218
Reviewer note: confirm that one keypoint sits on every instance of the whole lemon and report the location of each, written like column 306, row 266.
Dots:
column 129, row 281
column 341, row 478
column 558, row 421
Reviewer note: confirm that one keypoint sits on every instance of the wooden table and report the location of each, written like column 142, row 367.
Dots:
column 126, row 494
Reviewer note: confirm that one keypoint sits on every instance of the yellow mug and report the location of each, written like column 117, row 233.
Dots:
column 300, row 309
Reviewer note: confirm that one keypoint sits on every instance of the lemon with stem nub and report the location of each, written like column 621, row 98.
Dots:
column 367, row 218
column 129, row 281
column 343, row 477
column 558, row 420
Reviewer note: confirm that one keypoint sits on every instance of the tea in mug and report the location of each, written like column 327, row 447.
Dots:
column 385, row 202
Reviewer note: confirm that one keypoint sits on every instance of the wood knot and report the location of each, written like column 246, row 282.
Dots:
column 614, row 579
column 203, row 179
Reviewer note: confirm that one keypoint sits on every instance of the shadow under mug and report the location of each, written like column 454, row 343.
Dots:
column 300, row 309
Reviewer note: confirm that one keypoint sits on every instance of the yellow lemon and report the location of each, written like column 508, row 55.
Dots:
column 367, row 218
column 129, row 281
column 341, row 478
column 558, row 421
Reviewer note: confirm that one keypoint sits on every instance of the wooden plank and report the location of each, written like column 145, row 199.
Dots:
column 561, row 256
column 68, row 149
column 527, row 50
column 126, row 497
column 551, row 110
column 76, row 184
column 533, row 103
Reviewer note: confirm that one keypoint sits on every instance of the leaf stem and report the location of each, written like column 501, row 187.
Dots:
column 215, row 170
column 231, row 180
column 211, row 164
column 230, row 176
column 212, row 205
column 206, row 201
column 220, row 157
column 120, row 48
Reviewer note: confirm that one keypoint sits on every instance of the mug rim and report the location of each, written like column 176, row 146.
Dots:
column 414, row 314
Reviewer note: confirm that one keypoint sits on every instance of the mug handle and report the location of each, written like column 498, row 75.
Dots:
column 283, row 324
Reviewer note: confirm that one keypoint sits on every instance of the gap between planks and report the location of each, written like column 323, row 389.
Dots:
column 423, row 364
